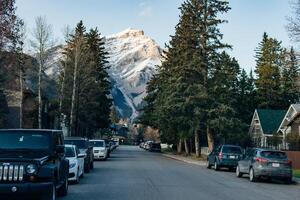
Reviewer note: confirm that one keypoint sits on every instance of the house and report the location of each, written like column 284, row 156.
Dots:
column 290, row 128
column 264, row 126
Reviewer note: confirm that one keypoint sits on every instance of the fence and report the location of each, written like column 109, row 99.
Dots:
column 294, row 156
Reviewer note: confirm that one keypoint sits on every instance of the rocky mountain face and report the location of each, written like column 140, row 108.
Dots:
column 133, row 59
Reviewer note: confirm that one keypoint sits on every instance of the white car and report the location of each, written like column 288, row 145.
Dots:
column 99, row 148
column 76, row 163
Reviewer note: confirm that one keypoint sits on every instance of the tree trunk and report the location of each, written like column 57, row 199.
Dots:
column 72, row 115
column 40, row 95
column 210, row 139
column 186, row 146
column 197, row 144
column 21, row 98
column 62, row 96
column 179, row 147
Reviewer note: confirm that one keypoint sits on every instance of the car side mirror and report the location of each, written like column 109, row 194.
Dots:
column 60, row 149
column 82, row 155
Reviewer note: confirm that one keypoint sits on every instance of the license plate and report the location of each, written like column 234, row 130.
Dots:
column 275, row 165
column 232, row 157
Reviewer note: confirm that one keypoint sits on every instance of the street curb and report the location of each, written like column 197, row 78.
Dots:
column 186, row 160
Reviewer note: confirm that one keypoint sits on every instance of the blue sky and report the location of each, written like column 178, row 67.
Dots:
column 248, row 19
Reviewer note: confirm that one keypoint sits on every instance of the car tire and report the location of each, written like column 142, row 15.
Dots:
column 208, row 165
column 288, row 181
column 252, row 177
column 92, row 165
column 63, row 190
column 239, row 174
column 87, row 168
column 217, row 167
column 51, row 195
column 77, row 178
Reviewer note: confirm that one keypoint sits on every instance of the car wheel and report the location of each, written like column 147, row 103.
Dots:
column 288, row 180
column 208, row 165
column 82, row 175
column 51, row 195
column 92, row 165
column 63, row 190
column 216, row 166
column 87, row 168
column 252, row 177
column 238, row 172
column 77, row 177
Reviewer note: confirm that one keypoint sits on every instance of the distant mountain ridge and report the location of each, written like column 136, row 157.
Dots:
column 133, row 59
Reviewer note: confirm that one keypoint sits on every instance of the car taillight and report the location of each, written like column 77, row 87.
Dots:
column 220, row 155
column 261, row 160
column 289, row 162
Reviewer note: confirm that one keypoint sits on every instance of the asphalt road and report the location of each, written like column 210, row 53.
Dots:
column 133, row 174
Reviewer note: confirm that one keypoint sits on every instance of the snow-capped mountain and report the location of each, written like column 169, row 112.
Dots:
column 133, row 59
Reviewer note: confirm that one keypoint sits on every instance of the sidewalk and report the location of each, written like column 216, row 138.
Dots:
column 185, row 159
column 201, row 163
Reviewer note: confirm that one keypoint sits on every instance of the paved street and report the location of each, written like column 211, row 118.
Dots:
column 133, row 174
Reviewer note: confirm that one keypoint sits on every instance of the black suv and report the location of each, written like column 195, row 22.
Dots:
column 225, row 156
column 32, row 162
column 85, row 147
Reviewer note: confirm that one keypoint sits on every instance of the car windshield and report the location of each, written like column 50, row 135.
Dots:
column 69, row 152
column 81, row 144
column 230, row 149
column 273, row 154
column 35, row 140
column 97, row 143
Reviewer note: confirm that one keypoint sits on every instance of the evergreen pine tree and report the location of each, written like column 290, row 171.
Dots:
column 268, row 63
column 290, row 77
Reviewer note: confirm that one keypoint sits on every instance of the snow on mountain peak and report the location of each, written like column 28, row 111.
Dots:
column 133, row 58
column 129, row 32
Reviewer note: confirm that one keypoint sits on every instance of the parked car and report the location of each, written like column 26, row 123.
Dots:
column 147, row 145
column 76, row 162
column 99, row 149
column 84, row 146
column 155, row 147
column 224, row 156
column 108, row 147
column 264, row 163
column 141, row 145
column 28, row 161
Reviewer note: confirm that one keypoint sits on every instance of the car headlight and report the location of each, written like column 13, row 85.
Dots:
column 72, row 165
column 31, row 169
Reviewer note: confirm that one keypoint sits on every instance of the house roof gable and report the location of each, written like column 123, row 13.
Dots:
column 270, row 120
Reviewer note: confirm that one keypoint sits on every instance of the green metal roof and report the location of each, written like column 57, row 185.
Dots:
column 270, row 120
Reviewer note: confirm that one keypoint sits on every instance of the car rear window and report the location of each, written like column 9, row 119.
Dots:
column 81, row 144
column 229, row 149
column 273, row 154
column 97, row 143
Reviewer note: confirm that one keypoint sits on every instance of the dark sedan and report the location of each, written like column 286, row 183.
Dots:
column 155, row 147
column 265, row 163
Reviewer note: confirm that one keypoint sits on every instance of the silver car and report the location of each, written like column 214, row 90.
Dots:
column 265, row 163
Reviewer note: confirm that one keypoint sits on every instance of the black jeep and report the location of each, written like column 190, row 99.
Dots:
column 32, row 163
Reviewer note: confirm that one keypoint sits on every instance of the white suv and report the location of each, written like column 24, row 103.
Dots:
column 99, row 149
